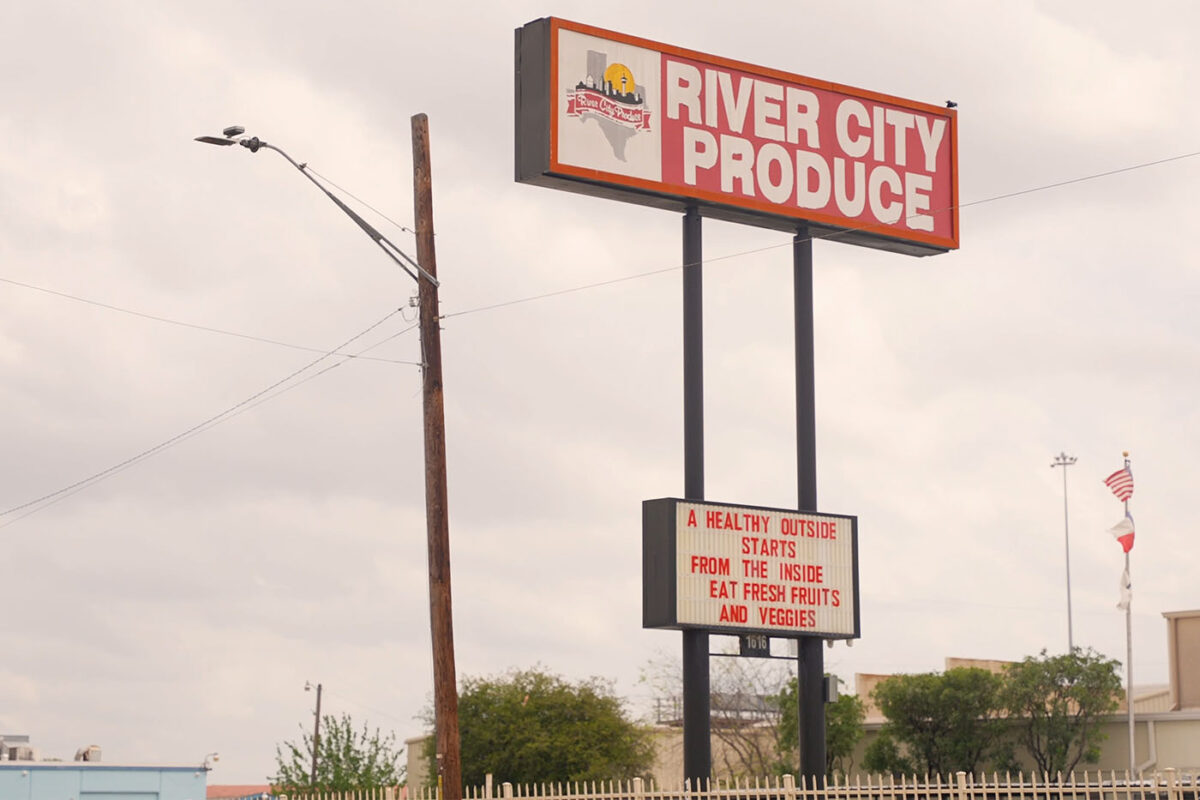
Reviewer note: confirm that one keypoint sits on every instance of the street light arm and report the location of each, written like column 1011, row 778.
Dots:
column 402, row 259
column 393, row 252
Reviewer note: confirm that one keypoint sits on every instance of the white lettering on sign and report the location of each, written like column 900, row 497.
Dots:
column 931, row 132
column 699, row 152
column 762, row 139
column 802, row 110
column 853, row 143
column 683, row 91
column 768, row 111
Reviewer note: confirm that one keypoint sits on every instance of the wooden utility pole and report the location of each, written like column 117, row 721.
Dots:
column 316, row 748
column 441, row 619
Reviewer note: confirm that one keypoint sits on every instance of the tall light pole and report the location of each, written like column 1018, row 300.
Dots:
column 1063, row 460
column 424, row 271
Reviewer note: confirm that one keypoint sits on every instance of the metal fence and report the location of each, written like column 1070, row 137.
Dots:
column 1169, row 784
column 366, row 793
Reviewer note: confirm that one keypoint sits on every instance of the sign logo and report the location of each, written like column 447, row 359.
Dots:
column 611, row 96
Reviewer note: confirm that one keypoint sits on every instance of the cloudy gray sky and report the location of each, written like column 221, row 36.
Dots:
column 179, row 606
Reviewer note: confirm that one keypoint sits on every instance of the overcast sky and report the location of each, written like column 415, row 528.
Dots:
column 178, row 607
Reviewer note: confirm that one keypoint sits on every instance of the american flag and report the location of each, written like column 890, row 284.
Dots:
column 1121, row 483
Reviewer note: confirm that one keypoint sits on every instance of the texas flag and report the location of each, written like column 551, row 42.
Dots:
column 1123, row 532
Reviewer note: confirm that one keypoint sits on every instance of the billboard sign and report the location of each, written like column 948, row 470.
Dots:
column 747, row 570
column 616, row 116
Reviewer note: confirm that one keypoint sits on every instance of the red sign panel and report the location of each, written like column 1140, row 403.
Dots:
column 612, row 115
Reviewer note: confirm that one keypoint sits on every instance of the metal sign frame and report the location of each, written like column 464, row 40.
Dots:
column 661, row 570
column 542, row 93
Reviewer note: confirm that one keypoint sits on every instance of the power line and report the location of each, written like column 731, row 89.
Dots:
column 360, row 200
column 41, row 503
column 828, row 236
column 345, row 357
column 254, row 400
column 1071, row 181
column 264, row 395
column 205, row 328
column 831, row 235
column 366, row 707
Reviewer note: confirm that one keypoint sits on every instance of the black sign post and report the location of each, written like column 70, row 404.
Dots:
column 697, row 747
column 811, row 667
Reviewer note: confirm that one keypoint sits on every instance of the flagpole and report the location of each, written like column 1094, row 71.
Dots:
column 1129, row 671
column 1129, row 652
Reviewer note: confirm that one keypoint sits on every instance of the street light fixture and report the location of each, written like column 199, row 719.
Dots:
column 424, row 271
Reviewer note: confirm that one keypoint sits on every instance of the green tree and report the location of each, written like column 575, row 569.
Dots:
column 346, row 759
column 843, row 729
column 1056, row 703
column 885, row 756
column 945, row 723
column 531, row 726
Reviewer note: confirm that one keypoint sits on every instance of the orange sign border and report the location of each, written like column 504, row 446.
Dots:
column 750, row 204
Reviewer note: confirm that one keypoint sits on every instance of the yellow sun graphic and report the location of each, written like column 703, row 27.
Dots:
column 620, row 78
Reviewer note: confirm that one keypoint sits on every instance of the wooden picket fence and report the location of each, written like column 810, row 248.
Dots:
column 1169, row 784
